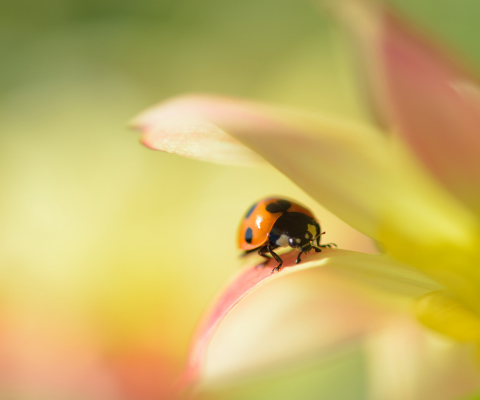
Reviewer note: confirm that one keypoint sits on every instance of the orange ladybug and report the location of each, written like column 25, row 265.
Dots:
column 274, row 222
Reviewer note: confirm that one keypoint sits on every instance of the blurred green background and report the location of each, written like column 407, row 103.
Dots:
column 109, row 251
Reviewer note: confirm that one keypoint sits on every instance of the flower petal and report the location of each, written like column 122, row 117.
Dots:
column 179, row 127
column 351, row 169
column 427, row 96
column 405, row 361
column 283, row 138
column 332, row 310
column 443, row 313
column 368, row 180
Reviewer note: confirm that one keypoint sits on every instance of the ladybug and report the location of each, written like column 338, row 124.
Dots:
column 274, row 222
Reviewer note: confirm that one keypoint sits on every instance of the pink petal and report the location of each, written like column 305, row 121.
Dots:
column 346, row 167
column 334, row 162
column 429, row 99
column 179, row 127
column 336, row 311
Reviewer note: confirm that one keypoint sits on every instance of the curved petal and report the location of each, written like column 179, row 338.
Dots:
column 428, row 97
column 349, row 168
column 358, row 174
column 310, row 307
column 179, row 127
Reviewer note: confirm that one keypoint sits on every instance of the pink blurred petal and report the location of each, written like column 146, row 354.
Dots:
column 428, row 97
column 334, row 310
column 40, row 357
column 143, row 374
column 43, row 356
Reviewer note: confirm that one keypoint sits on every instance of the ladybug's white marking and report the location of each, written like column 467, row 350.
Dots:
column 313, row 230
column 258, row 221
column 282, row 241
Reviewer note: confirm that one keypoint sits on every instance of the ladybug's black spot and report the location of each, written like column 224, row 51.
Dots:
column 284, row 204
column 279, row 206
column 249, row 212
column 248, row 235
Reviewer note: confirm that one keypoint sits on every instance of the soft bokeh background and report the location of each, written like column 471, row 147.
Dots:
column 109, row 251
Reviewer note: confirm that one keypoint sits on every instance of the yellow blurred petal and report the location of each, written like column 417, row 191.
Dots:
column 453, row 263
column 443, row 313
column 405, row 361
column 383, row 272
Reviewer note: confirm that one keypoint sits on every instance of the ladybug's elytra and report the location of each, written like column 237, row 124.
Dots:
column 275, row 222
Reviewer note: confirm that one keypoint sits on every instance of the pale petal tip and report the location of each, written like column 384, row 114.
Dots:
column 197, row 127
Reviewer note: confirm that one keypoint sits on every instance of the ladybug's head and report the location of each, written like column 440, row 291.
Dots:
column 301, row 241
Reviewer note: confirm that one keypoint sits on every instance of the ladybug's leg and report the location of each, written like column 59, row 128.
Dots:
column 317, row 239
column 319, row 249
column 329, row 245
column 276, row 257
column 262, row 251
column 299, row 254
column 320, row 233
